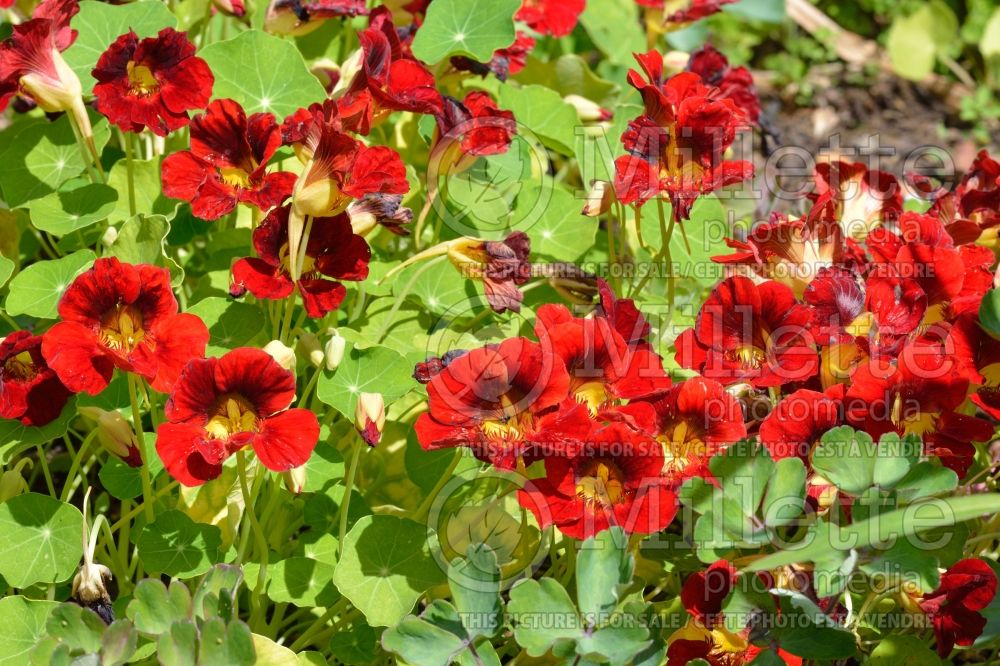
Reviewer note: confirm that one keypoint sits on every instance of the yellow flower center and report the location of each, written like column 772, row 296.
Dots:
column 748, row 356
column 234, row 414
column 141, row 81
column 592, row 394
column 601, row 482
column 235, row 177
column 121, row 328
column 912, row 423
column 20, row 366
column 682, row 445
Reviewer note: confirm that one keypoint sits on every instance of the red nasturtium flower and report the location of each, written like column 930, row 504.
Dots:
column 735, row 83
column 29, row 390
column 389, row 79
column 551, row 17
column 611, row 478
column 222, row 405
column 965, row 589
column 300, row 17
column 151, row 83
column 504, row 402
column 123, row 316
column 864, row 199
column 798, row 422
column 474, row 127
column 676, row 147
column 227, row 163
column 334, row 252
column 502, row 266
column 685, row 11
column 505, row 62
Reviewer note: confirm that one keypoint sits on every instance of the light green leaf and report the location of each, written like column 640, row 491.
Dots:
column 475, row 28
column 302, row 581
column 897, row 649
column 154, row 607
column 615, row 28
column 16, row 437
column 23, row 622
column 543, row 614
column 75, row 206
column 989, row 308
column 914, row 41
column 222, row 643
column 122, row 481
column 149, row 199
column 6, row 268
column 41, row 542
column 385, row 566
column 604, row 565
column 786, row 490
column 475, row 587
column 100, row 24
column 544, row 113
column 418, row 641
column 846, row 458
column 373, row 370
column 561, row 232
column 263, row 73
column 231, row 324
column 177, row 546
column 989, row 44
column 36, row 290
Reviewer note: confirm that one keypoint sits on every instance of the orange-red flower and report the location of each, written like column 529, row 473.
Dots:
column 505, row 62
column 227, row 163
column 864, row 199
column 798, row 422
column 475, row 124
column 222, row 405
column 611, row 478
column 966, row 588
column 334, row 252
column 151, row 83
column 30, row 60
column 735, row 83
column 504, row 402
column 123, row 316
column 29, row 390
column 551, row 17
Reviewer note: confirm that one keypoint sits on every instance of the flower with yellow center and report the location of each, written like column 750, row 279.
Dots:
column 121, row 328
column 601, row 482
column 141, row 82
column 682, row 444
column 233, row 415
column 20, row 366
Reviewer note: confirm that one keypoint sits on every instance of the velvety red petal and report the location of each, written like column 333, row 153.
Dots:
column 71, row 350
column 179, row 339
column 286, row 440
column 180, row 447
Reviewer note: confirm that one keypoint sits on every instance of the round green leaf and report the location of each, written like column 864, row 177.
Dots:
column 177, row 546
column 544, row 112
column 373, row 370
column 475, row 28
column 385, row 566
column 263, row 73
column 230, row 324
column 149, row 199
column 6, row 268
column 16, row 437
column 120, row 480
column 100, row 24
column 75, row 206
column 23, row 622
column 989, row 311
column 36, row 290
column 41, row 542
column 302, row 581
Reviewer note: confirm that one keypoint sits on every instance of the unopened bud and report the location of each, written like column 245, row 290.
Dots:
column 12, row 482
column 282, row 353
column 309, row 346
column 599, row 198
column 369, row 417
column 115, row 434
column 334, row 350
column 109, row 237
column 295, row 479
column 588, row 110
column 676, row 61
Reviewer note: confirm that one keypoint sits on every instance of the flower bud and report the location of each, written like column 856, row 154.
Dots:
column 369, row 417
column 109, row 237
column 334, row 350
column 235, row 8
column 12, row 483
column 309, row 346
column 599, row 198
column 295, row 479
column 349, row 70
column 54, row 90
column 282, row 353
column 588, row 110
column 115, row 434
column 90, row 586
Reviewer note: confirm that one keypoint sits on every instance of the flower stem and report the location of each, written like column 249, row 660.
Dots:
column 425, row 506
column 345, row 503
column 248, row 507
column 147, row 485
column 401, row 296
column 130, row 170
column 43, row 461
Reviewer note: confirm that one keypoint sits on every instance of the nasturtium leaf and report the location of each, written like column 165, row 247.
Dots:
column 373, row 370
column 43, row 157
column 141, row 240
column 356, row 644
column 99, row 24
column 23, row 621
column 302, row 581
column 15, row 437
column 544, row 113
column 785, row 497
column 154, row 607
column 443, row 290
column 569, row 74
column 77, row 627
column 475, row 587
column 41, row 542
column 615, row 28
column 148, row 197
column 36, row 290
column 533, row 605
column 418, row 641
column 989, row 43
column 385, row 567
column 75, row 206
column 603, row 566
column 230, row 324
column 559, row 231
column 989, row 308
column 475, row 28
column 914, row 41
column 222, row 643
column 270, row 653
column 177, row 645
column 263, row 73
column 120, row 480
column 897, row 649
column 6, row 269
column 177, row 546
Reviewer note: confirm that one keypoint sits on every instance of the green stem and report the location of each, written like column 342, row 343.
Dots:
column 348, row 488
column 402, row 296
column 75, row 465
column 130, row 171
column 43, row 461
column 7, row 318
column 317, row 625
column 310, row 385
column 248, row 508
column 147, row 485
column 425, row 506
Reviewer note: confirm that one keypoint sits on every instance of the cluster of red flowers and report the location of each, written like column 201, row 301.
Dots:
column 591, row 400
column 863, row 314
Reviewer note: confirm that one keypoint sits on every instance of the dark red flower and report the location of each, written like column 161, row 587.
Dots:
column 389, row 79
column 798, row 422
column 753, row 333
column 300, row 17
column 30, row 60
column 504, row 402
column 151, row 83
column 551, row 17
column 123, row 316
column 623, row 316
column 222, row 405
column 837, row 299
column 696, row 419
column 735, row 83
column 475, row 126
column 676, row 147
column 29, row 390
column 612, row 478
column 227, row 163
column 686, row 11
column 501, row 265
column 505, row 62
column 334, row 252
column 966, row 588
column 864, row 199
column 704, row 591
